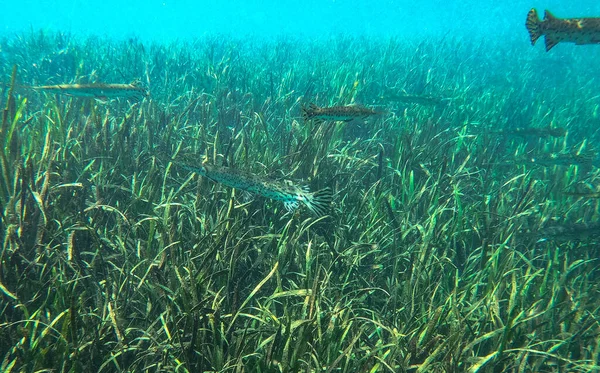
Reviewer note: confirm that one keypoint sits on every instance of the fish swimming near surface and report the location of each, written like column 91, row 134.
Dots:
column 556, row 30
column 292, row 196
column 338, row 113
column 98, row 91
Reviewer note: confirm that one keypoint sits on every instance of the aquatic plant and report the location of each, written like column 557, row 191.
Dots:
column 115, row 259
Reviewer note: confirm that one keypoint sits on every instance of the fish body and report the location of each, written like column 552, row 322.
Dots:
column 97, row 91
column 292, row 196
column 415, row 99
column 541, row 132
column 556, row 30
column 337, row 113
column 566, row 159
column 570, row 232
column 584, row 194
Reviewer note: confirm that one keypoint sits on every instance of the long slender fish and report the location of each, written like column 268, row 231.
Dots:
column 556, row 30
column 317, row 202
column 98, row 91
column 541, row 132
column 565, row 159
column 570, row 232
column 338, row 113
column 415, row 99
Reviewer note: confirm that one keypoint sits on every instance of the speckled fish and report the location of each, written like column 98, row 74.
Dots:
column 98, row 91
column 337, row 113
column 291, row 195
column 556, row 30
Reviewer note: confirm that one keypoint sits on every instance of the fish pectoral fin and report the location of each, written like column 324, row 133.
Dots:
column 550, row 42
column 291, row 205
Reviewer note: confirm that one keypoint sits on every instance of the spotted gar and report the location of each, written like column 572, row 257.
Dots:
column 338, row 113
column 556, row 30
column 292, row 196
column 98, row 91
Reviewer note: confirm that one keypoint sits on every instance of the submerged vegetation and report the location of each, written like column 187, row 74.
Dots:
column 115, row 259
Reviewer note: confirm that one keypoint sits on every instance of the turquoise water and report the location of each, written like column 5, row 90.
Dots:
column 447, row 176
column 168, row 19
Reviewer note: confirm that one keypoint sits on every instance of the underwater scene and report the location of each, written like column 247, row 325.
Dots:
column 320, row 186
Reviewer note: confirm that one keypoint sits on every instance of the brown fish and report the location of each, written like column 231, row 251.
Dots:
column 338, row 113
column 556, row 30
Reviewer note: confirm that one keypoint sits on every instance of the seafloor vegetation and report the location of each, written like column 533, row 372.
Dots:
column 451, row 245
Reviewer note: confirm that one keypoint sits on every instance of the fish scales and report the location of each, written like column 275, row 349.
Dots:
column 338, row 113
column 555, row 30
column 317, row 202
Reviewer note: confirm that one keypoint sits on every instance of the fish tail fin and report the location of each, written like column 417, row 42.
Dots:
column 533, row 26
column 309, row 112
column 319, row 201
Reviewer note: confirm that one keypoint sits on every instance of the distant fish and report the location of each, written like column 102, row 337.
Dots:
column 569, row 232
column 541, row 132
column 338, row 113
column 317, row 202
column 584, row 194
column 98, row 91
column 556, row 30
column 415, row 99
column 565, row 159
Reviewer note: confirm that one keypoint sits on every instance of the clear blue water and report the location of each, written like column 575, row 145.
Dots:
column 183, row 19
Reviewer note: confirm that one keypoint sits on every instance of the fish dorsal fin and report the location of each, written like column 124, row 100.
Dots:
column 548, row 16
column 550, row 42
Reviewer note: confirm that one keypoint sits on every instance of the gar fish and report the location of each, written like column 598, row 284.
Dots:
column 565, row 159
column 541, row 132
column 584, row 194
column 291, row 195
column 569, row 232
column 556, row 30
column 415, row 99
column 338, row 113
column 98, row 91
